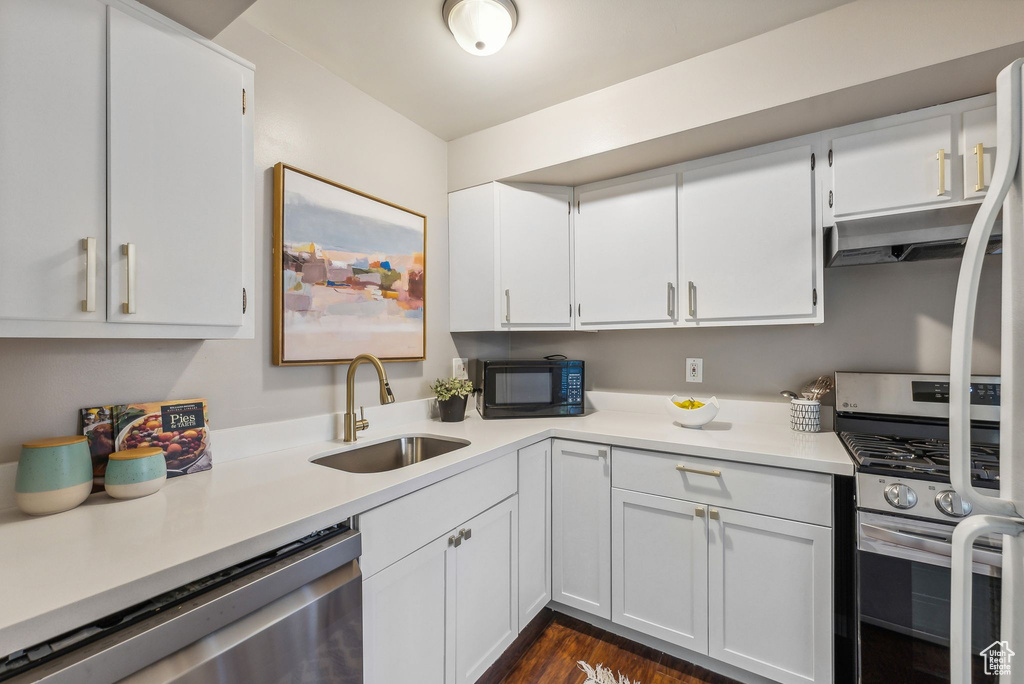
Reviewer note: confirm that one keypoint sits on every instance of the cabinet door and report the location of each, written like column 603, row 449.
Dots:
column 52, row 159
column 486, row 593
column 404, row 619
column 770, row 596
column 626, row 253
column 581, row 526
column 979, row 150
column 471, row 256
column 534, row 530
column 660, row 568
column 899, row 167
column 747, row 238
column 535, row 261
column 175, row 169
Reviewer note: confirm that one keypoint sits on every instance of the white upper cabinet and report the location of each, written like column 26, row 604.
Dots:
column 510, row 259
column 625, row 253
column 126, row 177
column 897, row 167
column 52, row 160
column 176, row 156
column 536, row 281
column 749, row 239
column 979, row 150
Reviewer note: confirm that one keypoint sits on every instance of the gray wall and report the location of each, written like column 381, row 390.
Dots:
column 309, row 118
column 891, row 317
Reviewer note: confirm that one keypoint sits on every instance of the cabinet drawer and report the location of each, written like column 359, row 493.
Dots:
column 397, row 528
column 792, row 494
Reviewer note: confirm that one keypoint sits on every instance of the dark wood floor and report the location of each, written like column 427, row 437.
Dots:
column 548, row 650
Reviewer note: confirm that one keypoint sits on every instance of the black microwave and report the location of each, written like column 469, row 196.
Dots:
column 528, row 389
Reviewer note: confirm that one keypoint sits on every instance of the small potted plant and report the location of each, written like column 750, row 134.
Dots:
column 451, row 396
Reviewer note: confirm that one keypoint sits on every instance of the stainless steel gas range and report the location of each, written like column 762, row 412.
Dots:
column 896, row 428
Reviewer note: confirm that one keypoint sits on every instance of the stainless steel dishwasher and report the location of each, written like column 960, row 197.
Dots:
column 292, row 615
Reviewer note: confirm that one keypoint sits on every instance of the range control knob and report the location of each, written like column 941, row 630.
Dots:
column 950, row 503
column 900, row 496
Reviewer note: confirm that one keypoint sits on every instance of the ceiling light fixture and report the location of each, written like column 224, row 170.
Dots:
column 480, row 27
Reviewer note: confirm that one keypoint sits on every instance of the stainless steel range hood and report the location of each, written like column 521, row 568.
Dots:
column 915, row 236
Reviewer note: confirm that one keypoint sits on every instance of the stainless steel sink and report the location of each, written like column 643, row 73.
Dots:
column 390, row 455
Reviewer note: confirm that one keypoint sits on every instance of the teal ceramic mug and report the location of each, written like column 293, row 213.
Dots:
column 135, row 472
column 54, row 475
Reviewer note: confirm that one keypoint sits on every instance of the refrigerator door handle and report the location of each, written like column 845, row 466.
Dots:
column 964, row 537
column 1008, row 135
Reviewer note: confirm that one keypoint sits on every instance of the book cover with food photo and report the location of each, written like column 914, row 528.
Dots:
column 98, row 427
column 178, row 427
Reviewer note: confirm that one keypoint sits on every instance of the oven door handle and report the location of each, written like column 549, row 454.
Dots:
column 932, row 546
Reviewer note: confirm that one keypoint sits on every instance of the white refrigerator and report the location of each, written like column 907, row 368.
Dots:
column 1002, row 514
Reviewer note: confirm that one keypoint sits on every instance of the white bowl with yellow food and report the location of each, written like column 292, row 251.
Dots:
column 690, row 412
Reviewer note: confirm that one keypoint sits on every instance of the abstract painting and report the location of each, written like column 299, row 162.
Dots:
column 349, row 274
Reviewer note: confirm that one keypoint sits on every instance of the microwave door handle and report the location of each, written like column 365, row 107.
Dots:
column 927, row 545
column 1008, row 137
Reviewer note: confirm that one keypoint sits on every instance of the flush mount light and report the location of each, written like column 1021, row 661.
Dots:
column 481, row 27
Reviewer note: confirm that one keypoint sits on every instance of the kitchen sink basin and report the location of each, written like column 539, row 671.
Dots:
column 390, row 455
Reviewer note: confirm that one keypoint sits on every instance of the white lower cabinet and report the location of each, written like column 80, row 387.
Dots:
column 404, row 618
column 444, row 613
column 581, row 526
column 534, row 530
column 483, row 595
column 770, row 596
column 660, row 567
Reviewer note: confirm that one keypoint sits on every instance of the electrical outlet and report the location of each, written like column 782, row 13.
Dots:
column 694, row 370
column 459, row 368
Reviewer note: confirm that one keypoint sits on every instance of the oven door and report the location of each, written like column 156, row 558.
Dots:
column 904, row 609
column 523, row 389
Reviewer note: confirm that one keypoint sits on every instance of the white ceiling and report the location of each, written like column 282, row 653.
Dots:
column 401, row 53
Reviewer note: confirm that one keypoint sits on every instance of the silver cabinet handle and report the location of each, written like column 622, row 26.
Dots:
column 89, row 246
column 671, row 300
column 508, row 307
column 691, row 298
column 979, row 152
column 687, row 469
column 128, row 250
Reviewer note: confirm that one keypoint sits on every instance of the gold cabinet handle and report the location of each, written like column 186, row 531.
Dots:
column 687, row 469
column 941, row 156
column 89, row 247
column 699, row 512
column 979, row 152
column 128, row 250
column 714, row 514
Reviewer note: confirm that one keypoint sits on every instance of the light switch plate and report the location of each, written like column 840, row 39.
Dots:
column 694, row 370
column 459, row 368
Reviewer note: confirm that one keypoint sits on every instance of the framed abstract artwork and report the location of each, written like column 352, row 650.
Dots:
column 349, row 274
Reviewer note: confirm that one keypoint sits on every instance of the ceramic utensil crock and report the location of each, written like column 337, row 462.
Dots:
column 135, row 472
column 54, row 475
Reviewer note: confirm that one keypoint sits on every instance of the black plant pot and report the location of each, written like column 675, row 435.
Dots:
column 452, row 410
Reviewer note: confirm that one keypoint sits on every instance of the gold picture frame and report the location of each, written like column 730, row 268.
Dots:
column 393, row 297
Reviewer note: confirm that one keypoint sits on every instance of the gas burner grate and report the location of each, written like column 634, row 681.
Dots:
column 918, row 456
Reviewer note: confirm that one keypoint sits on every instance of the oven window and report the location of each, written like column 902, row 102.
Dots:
column 513, row 386
column 904, row 620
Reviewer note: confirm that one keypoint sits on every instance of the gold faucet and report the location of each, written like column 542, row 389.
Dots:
column 352, row 425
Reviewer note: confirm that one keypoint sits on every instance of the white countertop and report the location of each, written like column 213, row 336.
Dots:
column 62, row 571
